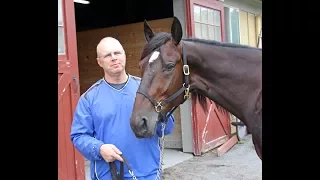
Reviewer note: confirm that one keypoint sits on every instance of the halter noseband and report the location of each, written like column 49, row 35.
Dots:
column 185, row 88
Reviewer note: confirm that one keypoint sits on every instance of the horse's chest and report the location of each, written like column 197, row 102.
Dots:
column 258, row 106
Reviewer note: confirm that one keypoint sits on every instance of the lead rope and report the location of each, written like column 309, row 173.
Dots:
column 161, row 152
column 163, row 126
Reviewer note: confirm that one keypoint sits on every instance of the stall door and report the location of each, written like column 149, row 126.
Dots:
column 205, row 20
column 70, row 162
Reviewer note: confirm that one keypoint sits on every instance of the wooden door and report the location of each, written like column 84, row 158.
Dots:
column 205, row 19
column 70, row 162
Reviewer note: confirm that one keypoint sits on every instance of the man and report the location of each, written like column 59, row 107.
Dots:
column 101, row 125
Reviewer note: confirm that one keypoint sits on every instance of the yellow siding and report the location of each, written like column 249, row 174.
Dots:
column 250, row 26
column 252, row 30
column 244, row 39
column 258, row 28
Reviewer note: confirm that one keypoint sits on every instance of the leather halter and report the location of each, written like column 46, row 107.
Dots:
column 185, row 88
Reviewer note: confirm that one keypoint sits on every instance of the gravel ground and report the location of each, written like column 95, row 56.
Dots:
column 240, row 163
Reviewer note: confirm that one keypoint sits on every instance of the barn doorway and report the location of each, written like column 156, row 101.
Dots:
column 122, row 19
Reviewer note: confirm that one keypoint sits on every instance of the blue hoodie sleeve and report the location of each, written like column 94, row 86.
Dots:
column 169, row 126
column 82, row 132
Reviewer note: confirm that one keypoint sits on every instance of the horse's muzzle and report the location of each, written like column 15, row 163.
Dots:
column 143, row 128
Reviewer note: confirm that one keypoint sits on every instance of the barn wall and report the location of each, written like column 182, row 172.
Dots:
column 249, row 28
column 131, row 36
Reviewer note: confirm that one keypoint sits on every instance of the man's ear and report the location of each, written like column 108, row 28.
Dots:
column 98, row 61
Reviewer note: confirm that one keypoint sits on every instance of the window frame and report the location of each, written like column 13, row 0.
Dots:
column 63, row 56
column 208, row 23
column 190, row 23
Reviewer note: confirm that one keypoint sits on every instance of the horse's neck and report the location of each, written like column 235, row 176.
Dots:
column 226, row 76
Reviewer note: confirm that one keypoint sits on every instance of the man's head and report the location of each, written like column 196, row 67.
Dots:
column 111, row 56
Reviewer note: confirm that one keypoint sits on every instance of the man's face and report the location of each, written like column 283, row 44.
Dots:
column 112, row 57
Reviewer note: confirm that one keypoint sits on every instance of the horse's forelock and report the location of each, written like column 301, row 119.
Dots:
column 157, row 41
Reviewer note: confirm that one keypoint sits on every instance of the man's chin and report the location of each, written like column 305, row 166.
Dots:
column 117, row 70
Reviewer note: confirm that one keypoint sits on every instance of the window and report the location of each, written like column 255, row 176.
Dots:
column 207, row 23
column 231, row 16
column 61, row 40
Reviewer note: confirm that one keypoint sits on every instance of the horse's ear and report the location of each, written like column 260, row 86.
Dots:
column 148, row 33
column 176, row 30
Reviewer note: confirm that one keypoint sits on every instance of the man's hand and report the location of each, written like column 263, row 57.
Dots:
column 110, row 152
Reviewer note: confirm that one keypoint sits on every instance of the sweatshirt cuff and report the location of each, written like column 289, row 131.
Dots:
column 96, row 150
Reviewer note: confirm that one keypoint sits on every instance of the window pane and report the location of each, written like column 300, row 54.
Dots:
column 204, row 31
column 61, row 44
column 217, row 33
column 196, row 12
column 211, row 32
column 204, row 15
column 60, row 15
column 216, row 16
column 210, row 16
column 197, row 28
column 234, row 14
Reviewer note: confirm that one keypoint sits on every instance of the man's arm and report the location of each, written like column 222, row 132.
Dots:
column 169, row 126
column 82, row 132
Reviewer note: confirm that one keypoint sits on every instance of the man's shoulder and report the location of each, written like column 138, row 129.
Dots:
column 92, row 89
column 136, row 78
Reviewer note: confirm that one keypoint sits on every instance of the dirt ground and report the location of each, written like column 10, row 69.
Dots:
column 239, row 163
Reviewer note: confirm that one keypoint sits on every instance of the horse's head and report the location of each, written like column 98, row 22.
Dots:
column 162, row 76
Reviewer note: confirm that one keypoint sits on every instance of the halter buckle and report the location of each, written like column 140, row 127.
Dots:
column 186, row 70
column 186, row 92
column 158, row 107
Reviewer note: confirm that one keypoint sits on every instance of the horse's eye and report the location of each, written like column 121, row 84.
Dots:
column 170, row 66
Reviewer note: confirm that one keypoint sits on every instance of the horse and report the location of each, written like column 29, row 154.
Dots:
column 175, row 69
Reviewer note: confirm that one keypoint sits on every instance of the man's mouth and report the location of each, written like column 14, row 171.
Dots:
column 115, row 65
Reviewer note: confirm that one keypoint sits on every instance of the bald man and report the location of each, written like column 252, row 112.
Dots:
column 101, row 130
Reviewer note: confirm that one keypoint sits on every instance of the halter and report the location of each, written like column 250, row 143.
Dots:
column 185, row 88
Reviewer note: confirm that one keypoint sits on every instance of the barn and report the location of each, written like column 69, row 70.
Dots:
column 81, row 25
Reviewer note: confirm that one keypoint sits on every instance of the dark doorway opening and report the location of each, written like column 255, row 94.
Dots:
column 104, row 13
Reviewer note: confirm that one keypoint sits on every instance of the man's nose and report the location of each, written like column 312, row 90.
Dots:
column 113, row 57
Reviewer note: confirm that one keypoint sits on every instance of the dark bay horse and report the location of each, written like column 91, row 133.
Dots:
column 172, row 68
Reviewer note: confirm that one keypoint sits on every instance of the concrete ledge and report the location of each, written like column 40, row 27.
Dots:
column 173, row 157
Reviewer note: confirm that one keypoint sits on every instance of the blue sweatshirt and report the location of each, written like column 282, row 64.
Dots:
column 102, row 116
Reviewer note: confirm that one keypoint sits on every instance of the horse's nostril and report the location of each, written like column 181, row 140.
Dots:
column 144, row 121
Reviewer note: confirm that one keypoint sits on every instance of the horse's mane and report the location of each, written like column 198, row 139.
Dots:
column 218, row 43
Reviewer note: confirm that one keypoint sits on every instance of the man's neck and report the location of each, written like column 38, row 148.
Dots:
column 116, row 78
